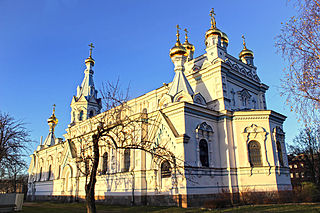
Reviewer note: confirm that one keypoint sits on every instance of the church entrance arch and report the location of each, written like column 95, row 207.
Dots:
column 67, row 175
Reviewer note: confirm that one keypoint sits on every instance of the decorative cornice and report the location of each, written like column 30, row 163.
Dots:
column 251, row 118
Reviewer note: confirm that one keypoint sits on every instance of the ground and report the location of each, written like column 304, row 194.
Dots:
column 46, row 207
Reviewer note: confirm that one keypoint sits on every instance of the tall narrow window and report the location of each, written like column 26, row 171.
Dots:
column 91, row 114
column 204, row 155
column 104, row 163
column 254, row 153
column 126, row 160
column 49, row 173
column 165, row 169
column 279, row 150
column 59, row 171
column 40, row 174
column 81, row 115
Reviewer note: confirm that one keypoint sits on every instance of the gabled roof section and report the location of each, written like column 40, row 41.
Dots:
column 180, row 83
column 50, row 139
column 159, row 117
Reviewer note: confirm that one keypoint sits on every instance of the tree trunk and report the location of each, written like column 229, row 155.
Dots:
column 15, row 183
column 90, row 187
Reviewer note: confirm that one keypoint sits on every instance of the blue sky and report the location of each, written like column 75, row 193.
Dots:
column 44, row 44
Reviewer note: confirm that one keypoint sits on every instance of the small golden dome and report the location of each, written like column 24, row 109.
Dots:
column 178, row 50
column 188, row 46
column 90, row 60
column 186, row 43
column 53, row 118
column 224, row 37
column 213, row 31
column 246, row 52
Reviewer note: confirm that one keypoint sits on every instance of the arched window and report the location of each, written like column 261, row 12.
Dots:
column 204, row 155
column 126, row 160
column 91, row 113
column 165, row 169
column 49, row 173
column 104, row 163
column 254, row 153
column 40, row 174
column 81, row 115
column 279, row 150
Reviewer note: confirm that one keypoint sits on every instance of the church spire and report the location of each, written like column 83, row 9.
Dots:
column 178, row 56
column 86, row 103
column 87, row 88
column 52, row 122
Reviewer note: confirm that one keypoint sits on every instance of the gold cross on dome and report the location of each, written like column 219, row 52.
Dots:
column 244, row 42
column 91, row 46
column 54, row 109
column 213, row 20
column 185, row 30
column 178, row 34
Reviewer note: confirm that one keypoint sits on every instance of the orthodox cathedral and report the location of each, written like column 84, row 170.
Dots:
column 213, row 115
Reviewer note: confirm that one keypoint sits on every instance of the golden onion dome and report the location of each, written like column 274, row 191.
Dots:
column 188, row 46
column 213, row 31
column 246, row 52
column 186, row 43
column 224, row 37
column 53, row 118
column 90, row 60
column 178, row 49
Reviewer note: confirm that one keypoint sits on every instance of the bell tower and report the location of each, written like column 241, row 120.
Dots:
column 86, row 104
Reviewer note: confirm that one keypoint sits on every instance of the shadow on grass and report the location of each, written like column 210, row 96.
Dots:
column 51, row 207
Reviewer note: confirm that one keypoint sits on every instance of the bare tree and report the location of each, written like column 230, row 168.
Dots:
column 118, row 127
column 14, row 178
column 307, row 145
column 299, row 43
column 14, row 142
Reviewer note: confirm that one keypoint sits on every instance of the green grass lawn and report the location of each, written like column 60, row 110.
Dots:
column 46, row 207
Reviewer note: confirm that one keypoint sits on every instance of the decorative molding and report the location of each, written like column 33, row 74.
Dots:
column 259, row 134
column 199, row 99
column 237, row 67
column 250, row 118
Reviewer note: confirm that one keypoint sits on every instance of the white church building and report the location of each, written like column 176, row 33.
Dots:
column 214, row 116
